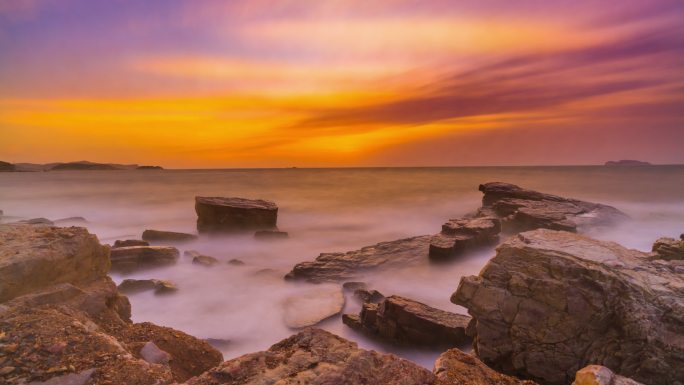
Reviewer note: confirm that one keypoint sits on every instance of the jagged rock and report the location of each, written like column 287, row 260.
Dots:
column 366, row 295
column 404, row 321
column 333, row 267
column 307, row 309
column 600, row 375
column 234, row 214
column 669, row 248
column 551, row 302
column 270, row 234
column 130, row 242
column 459, row 235
column 33, row 257
column 455, row 367
column 316, row 357
column 130, row 258
column 131, row 286
column 522, row 209
column 152, row 354
column 167, row 236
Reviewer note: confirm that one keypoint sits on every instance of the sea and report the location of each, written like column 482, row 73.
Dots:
column 323, row 210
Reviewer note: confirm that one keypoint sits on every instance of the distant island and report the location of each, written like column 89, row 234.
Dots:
column 627, row 162
column 83, row 165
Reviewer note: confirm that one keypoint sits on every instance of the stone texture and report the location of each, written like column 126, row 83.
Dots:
column 167, row 236
column 234, row 214
column 333, row 267
column 407, row 322
column 600, row 375
column 130, row 242
column 132, row 286
column 127, row 259
column 551, row 302
column 316, row 357
column 309, row 308
column 80, row 378
column 460, row 235
column 669, row 248
column 455, row 367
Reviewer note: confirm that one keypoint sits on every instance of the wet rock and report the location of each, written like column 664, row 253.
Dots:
column 236, row 262
column 315, row 356
column 200, row 259
column 130, row 242
column 167, row 236
column 132, row 286
column 460, row 235
column 333, row 267
column 80, row 378
column 34, row 257
column 521, row 209
column 600, row 375
column 216, row 214
column 126, row 259
column 552, row 302
column 455, row 367
column 309, row 308
column 366, row 295
column 669, row 248
column 270, row 234
column 407, row 322
column 152, row 354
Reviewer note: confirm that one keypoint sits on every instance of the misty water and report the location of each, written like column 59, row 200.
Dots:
column 324, row 210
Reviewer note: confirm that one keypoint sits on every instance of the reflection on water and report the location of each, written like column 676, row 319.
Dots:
column 324, row 210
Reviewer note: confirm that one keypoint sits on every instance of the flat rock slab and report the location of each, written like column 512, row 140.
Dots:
column 132, row 286
column 218, row 214
column 167, row 236
column 455, row 367
column 33, row 257
column 460, row 235
column 552, row 302
column 316, row 357
column 407, row 322
column 130, row 242
column 308, row 309
column 132, row 258
column 333, row 267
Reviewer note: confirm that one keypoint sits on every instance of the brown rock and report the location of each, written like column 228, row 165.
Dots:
column 460, row 235
column 167, row 236
column 130, row 242
column 551, row 302
column 455, row 367
column 200, row 259
column 234, row 214
column 316, row 357
column 131, row 258
column 669, row 248
column 152, row 354
column 132, row 286
column 600, row 375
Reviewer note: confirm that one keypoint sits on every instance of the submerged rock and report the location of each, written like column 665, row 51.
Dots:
column 132, row 286
column 315, row 356
column 600, row 375
column 130, row 242
column 167, row 236
column 552, row 302
column 460, row 235
column 308, row 309
column 271, row 234
column 131, row 258
column 455, row 367
column 236, row 262
column 407, row 322
column 216, row 214
column 200, row 259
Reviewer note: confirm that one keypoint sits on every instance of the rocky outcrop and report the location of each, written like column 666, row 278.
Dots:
column 271, row 234
column 552, row 302
column 311, row 307
column 5, row 166
column 404, row 321
column 333, row 267
column 316, row 357
column 159, row 286
column 521, row 209
column 600, row 375
column 167, row 236
column 455, row 367
column 127, row 259
column 669, row 248
column 36, row 221
column 460, row 235
column 130, row 242
column 216, row 214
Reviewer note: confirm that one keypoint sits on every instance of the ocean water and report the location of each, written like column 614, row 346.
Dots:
column 324, row 210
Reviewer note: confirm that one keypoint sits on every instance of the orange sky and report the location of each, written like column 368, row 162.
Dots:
column 257, row 83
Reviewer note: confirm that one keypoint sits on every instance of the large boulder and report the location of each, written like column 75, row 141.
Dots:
column 167, row 236
column 552, row 302
column 455, row 367
column 34, row 257
column 316, row 357
column 521, row 209
column 216, row 214
column 130, row 258
column 333, row 267
column 461, row 235
column 404, row 321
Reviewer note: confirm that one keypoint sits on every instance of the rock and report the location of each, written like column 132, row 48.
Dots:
column 270, row 234
column 372, row 296
column 167, row 236
column 333, row 267
column 404, row 321
column 130, row 258
column 34, row 257
column 200, row 259
column 234, row 214
column 236, row 262
column 80, row 378
column 309, row 308
column 316, row 357
column 552, row 302
column 669, row 248
column 132, row 286
column 353, row 285
column 600, row 375
column 37, row 221
column 455, row 367
column 6, row 166
column 152, row 354
column 460, row 235
column 522, row 210
column 130, row 242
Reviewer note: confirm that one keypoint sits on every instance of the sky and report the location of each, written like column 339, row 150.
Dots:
column 315, row 83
